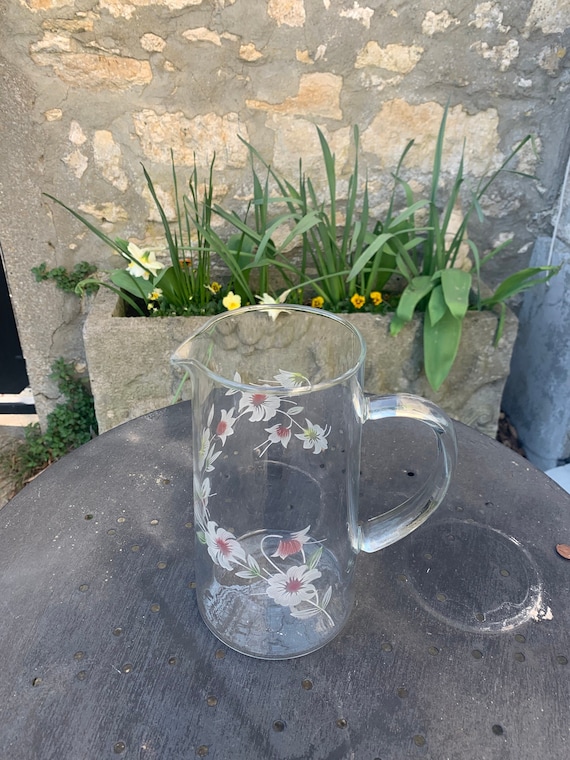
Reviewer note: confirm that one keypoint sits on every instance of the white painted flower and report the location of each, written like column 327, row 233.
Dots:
column 223, row 546
column 314, row 437
column 279, row 434
column 294, row 586
column 261, row 405
column 143, row 263
column 288, row 546
column 225, row 426
column 291, row 379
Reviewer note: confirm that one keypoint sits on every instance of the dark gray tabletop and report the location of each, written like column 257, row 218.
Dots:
column 457, row 649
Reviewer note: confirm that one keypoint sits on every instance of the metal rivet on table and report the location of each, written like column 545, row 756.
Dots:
column 519, row 657
column 477, row 654
column 88, row 517
column 188, row 525
column 211, row 700
column 161, row 565
column 135, row 548
column 155, row 607
column 202, row 751
column 386, row 646
column 563, row 550
column 307, row 684
column 127, row 667
column 419, row 740
column 82, row 675
column 561, row 660
column 154, row 522
column 119, row 747
column 520, row 638
column 36, row 681
column 84, row 587
column 402, row 693
column 342, row 723
column 112, row 532
column 220, row 654
column 117, row 631
column 433, row 650
column 497, row 730
column 121, row 519
column 172, row 660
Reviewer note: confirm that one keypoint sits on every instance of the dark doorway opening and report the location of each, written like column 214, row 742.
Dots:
column 13, row 375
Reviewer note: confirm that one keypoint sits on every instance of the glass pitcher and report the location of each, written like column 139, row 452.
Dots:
column 277, row 413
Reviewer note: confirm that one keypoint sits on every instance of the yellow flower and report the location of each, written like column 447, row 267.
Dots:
column 376, row 297
column 156, row 294
column 318, row 302
column 357, row 301
column 214, row 287
column 143, row 263
column 232, row 301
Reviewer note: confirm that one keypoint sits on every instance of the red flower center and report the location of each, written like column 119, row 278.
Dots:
column 282, row 431
column 293, row 585
column 222, row 427
column 224, row 546
column 258, row 399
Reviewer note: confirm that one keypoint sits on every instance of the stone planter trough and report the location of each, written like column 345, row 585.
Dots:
column 130, row 373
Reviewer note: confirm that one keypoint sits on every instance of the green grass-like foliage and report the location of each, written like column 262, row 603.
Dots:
column 71, row 424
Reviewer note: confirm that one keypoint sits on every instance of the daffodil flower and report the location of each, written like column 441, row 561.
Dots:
column 143, row 263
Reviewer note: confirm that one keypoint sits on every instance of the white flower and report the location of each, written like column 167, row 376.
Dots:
column 279, row 434
column 314, row 437
column 288, row 546
column 269, row 300
column 223, row 547
column 291, row 379
column 261, row 405
column 144, row 263
column 207, row 454
column 225, row 426
column 293, row 587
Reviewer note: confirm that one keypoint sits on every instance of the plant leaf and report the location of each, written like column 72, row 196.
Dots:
column 517, row 282
column 441, row 342
column 436, row 306
column 456, row 285
column 314, row 558
column 417, row 289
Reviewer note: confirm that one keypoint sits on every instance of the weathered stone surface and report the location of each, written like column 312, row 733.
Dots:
column 130, row 371
column 398, row 122
column 96, row 72
column 192, row 139
column 399, row 58
column 435, row 23
column 108, row 159
column 551, row 16
column 319, row 95
column 287, row 12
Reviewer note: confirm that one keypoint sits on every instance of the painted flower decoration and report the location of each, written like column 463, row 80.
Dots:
column 279, row 434
column 294, row 586
column 314, row 437
column 223, row 546
column 261, row 405
column 225, row 426
column 144, row 263
column 289, row 546
column 291, row 379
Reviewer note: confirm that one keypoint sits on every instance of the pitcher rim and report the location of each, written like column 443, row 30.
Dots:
column 240, row 386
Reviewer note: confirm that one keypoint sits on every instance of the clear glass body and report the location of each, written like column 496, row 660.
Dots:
column 278, row 409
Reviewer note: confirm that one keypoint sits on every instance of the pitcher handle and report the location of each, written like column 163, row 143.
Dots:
column 385, row 529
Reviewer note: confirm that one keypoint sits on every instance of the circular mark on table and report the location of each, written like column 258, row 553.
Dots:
column 473, row 577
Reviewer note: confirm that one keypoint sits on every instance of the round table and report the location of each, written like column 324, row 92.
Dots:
column 457, row 648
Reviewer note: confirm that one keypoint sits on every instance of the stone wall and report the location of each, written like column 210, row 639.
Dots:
column 90, row 89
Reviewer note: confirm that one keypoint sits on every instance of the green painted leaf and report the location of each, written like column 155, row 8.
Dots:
column 417, row 289
column 456, row 285
column 201, row 536
column 441, row 341
column 314, row 558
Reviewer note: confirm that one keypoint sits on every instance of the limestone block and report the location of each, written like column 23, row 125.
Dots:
column 434, row 23
column 399, row 58
column 192, row 139
column 550, row 16
column 319, row 95
column 397, row 122
column 96, row 72
column 358, row 13
column 127, row 8
column 287, row 12
column 108, row 159
column 130, row 372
